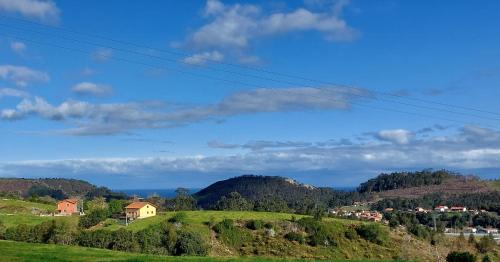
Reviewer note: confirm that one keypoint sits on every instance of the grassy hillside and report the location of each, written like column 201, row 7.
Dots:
column 14, row 212
column 17, row 251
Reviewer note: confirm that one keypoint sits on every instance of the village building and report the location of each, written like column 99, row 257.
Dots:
column 388, row 209
column 139, row 210
column 441, row 208
column 420, row 209
column 487, row 230
column 68, row 207
column 370, row 215
column 458, row 209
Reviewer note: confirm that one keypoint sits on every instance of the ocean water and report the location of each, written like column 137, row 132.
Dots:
column 170, row 192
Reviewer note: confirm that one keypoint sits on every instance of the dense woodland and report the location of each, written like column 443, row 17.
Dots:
column 399, row 180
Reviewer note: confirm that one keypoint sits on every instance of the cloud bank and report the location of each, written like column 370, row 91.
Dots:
column 112, row 118
column 467, row 149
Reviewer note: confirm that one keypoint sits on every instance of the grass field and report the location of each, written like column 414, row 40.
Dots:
column 14, row 212
column 495, row 184
column 18, row 251
column 200, row 217
column 24, row 207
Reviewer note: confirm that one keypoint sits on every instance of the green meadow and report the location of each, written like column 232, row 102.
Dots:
column 18, row 251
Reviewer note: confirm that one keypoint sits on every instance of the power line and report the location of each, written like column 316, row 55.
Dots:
column 225, row 80
column 179, row 53
column 228, row 71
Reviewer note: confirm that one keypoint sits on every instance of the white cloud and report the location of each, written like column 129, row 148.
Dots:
column 238, row 24
column 22, row 76
column 18, row 47
column 455, row 152
column 92, row 119
column 92, row 89
column 202, row 58
column 102, row 55
column 9, row 92
column 43, row 10
column 398, row 136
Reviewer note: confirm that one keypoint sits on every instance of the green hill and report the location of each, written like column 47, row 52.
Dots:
column 57, row 188
column 265, row 188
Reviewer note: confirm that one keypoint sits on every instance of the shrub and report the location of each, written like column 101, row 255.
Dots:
column 179, row 217
column 230, row 234
column 351, row 234
column 2, row 230
column 93, row 218
column 460, row 257
column 486, row 243
column 190, row 243
column 96, row 238
column 150, row 241
column 254, row 224
column 319, row 234
column 293, row 236
column 124, row 240
column 373, row 233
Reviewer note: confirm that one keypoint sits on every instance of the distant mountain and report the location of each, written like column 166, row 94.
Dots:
column 57, row 188
column 257, row 188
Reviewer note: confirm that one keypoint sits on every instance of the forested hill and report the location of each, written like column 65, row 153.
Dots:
column 58, row 188
column 264, row 188
column 400, row 180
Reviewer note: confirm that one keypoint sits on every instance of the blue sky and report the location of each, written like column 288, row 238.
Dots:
column 161, row 94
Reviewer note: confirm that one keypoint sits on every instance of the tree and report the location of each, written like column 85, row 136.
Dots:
column 115, row 206
column 93, row 218
column 233, row 202
column 95, row 204
column 182, row 201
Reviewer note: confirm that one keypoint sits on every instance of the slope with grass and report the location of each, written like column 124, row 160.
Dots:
column 14, row 212
column 17, row 251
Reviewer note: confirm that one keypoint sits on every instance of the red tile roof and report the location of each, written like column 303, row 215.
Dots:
column 137, row 205
column 70, row 200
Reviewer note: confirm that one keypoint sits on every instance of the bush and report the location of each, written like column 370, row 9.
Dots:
column 190, row 243
column 254, row 224
column 486, row 243
column 319, row 234
column 460, row 257
column 2, row 230
column 179, row 217
column 373, row 233
column 96, row 238
column 93, row 218
column 230, row 234
column 124, row 240
column 293, row 236
column 351, row 234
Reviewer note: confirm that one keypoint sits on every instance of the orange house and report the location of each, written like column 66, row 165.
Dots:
column 68, row 206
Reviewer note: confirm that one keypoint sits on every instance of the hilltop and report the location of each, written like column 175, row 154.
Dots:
column 422, row 183
column 57, row 188
column 262, row 188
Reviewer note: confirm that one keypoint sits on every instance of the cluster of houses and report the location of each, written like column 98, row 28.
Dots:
column 374, row 216
column 133, row 211
column 441, row 209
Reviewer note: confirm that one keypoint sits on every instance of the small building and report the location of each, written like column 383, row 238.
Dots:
column 441, row 208
column 370, row 216
column 388, row 209
column 68, row 206
column 470, row 230
column 138, row 210
column 487, row 230
column 458, row 209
